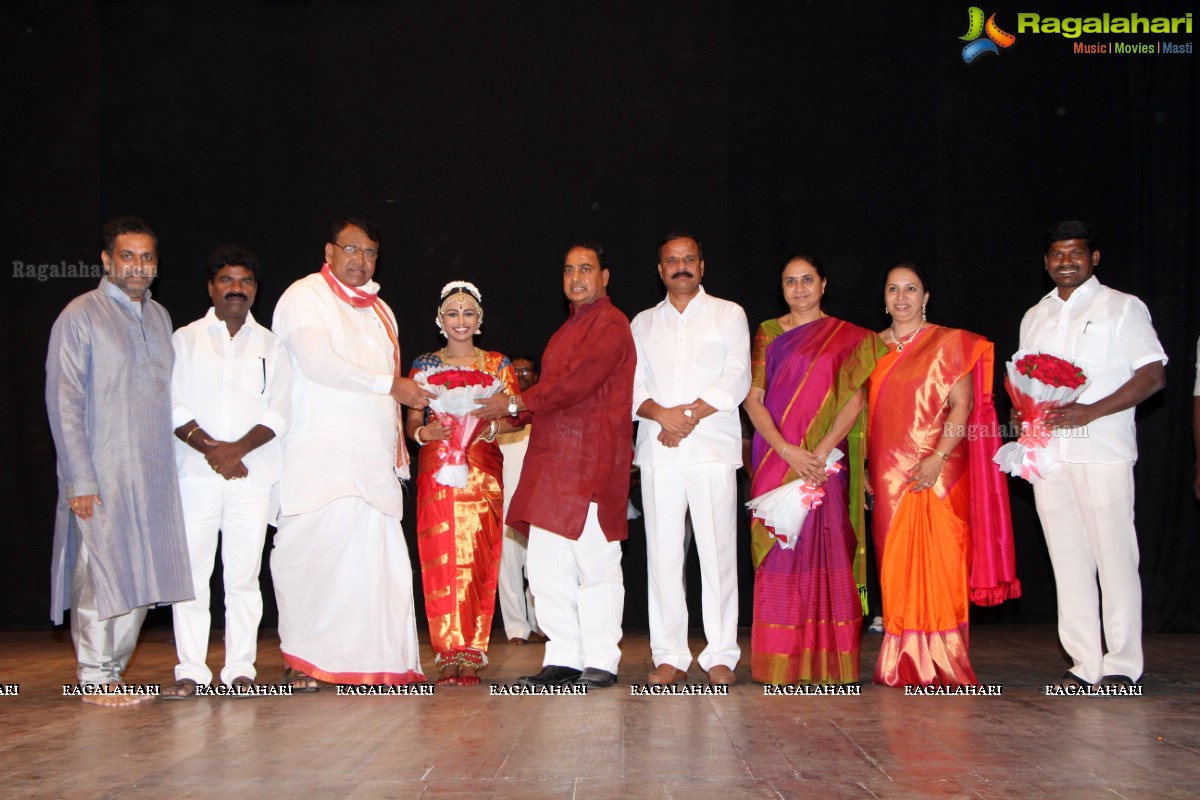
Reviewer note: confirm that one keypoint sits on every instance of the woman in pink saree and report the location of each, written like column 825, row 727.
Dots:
column 806, row 398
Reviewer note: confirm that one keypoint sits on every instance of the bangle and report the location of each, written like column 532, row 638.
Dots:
column 417, row 436
column 187, row 439
column 945, row 456
column 783, row 453
column 490, row 434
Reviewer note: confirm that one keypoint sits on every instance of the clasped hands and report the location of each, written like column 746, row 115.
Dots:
column 677, row 422
column 809, row 466
column 225, row 458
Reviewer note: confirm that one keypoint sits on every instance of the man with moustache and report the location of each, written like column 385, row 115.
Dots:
column 340, row 564
column 693, row 372
column 119, row 543
column 1086, row 506
column 574, row 491
column 231, row 393
column 516, row 604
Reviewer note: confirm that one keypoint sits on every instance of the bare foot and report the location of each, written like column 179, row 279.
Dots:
column 110, row 699
column 449, row 675
column 467, row 676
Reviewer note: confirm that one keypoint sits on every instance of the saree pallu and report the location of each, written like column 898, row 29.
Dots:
column 924, row 540
column 459, row 537
column 807, row 601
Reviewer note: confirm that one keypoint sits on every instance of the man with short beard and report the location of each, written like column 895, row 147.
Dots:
column 231, row 392
column 119, row 542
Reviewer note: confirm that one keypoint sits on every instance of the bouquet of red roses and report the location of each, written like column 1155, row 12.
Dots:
column 1037, row 383
column 457, row 389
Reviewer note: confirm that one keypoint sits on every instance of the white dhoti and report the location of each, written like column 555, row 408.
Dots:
column 580, row 594
column 344, row 587
column 710, row 492
column 1087, row 516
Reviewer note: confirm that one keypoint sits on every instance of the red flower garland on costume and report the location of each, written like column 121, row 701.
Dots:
column 1037, row 383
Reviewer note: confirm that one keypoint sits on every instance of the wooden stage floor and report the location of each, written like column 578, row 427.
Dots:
column 464, row 743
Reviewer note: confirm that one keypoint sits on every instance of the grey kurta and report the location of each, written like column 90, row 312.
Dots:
column 108, row 396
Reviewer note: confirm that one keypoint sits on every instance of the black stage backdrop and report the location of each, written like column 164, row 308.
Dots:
column 483, row 137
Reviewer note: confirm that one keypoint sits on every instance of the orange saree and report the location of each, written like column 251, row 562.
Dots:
column 924, row 540
column 459, row 533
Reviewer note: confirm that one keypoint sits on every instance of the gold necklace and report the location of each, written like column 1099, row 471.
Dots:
column 445, row 357
column 900, row 343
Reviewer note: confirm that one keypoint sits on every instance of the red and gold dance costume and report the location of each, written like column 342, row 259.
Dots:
column 940, row 549
column 459, row 534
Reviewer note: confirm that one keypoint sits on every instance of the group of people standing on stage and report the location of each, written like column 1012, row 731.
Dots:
column 302, row 427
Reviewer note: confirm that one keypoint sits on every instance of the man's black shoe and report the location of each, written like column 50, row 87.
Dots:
column 596, row 678
column 550, row 676
column 1116, row 680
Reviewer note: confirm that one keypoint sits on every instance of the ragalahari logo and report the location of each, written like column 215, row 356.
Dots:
column 976, row 27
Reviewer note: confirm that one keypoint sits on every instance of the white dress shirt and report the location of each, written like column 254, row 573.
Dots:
column 343, row 436
column 703, row 352
column 1109, row 335
column 229, row 385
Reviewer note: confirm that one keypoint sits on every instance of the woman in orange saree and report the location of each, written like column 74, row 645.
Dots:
column 937, row 495
column 459, row 531
column 806, row 399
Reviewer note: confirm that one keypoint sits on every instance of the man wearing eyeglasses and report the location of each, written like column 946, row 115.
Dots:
column 119, row 543
column 693, row 371
column 340, row 565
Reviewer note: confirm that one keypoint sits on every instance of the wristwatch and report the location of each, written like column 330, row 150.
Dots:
column 512, row 406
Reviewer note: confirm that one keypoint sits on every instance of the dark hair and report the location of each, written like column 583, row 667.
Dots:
column 232, row 255
column 522, row 357
column 601, row 256
column 367, row 227
column 673, row 235
column 1072, row 229
column 807, row 257
column 908, row 263
column 121, row 226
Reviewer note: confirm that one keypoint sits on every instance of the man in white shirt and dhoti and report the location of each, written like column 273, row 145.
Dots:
column 693, row 372
column 340, row 564
column 232, row 398
column 119, row 542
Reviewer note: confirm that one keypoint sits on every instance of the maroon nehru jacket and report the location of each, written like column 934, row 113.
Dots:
column 581, row 443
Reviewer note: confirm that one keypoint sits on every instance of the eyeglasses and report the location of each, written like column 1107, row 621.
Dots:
column 523, row 370
column 370, row 253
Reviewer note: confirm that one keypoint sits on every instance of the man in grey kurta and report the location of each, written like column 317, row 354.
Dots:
column 119, row 543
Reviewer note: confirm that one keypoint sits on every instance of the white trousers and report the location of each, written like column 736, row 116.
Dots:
column 516, row 602
column 580, row 594
column 1087, row 516
column 710, row 492
column 238, row 511
column 103, row 647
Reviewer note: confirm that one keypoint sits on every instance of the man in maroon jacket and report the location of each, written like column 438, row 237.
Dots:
column 574, row 491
